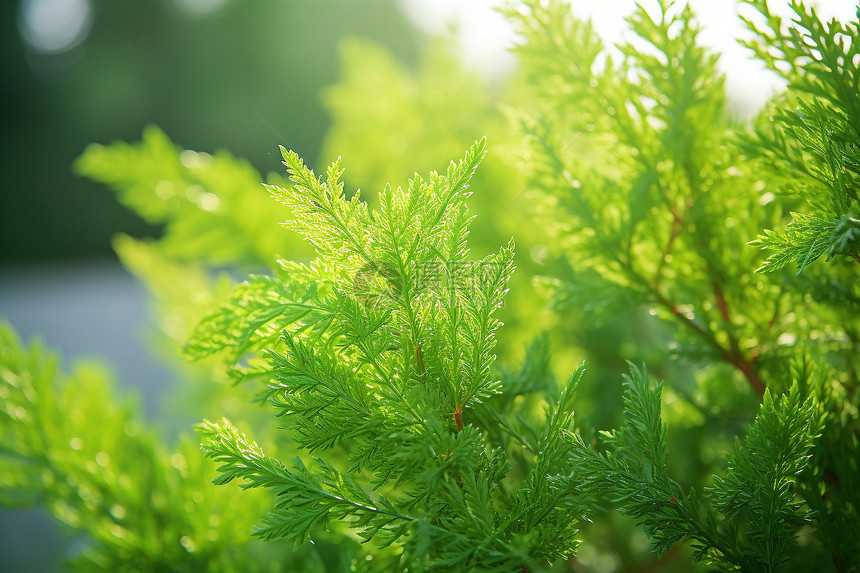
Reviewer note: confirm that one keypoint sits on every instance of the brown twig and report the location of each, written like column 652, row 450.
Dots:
column 733, row 355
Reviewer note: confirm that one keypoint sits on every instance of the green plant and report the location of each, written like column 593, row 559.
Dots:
column 658, row 201
column 381, row 352
column 814, row 149
column 68, row 444
column 402, row 441
column 757, row 498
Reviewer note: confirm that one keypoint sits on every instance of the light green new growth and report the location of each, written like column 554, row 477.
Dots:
column 648, row 202
column 211, row 205
column 814, row 148
column 385, row 359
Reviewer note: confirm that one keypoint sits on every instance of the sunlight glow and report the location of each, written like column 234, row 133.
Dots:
column 485, row 37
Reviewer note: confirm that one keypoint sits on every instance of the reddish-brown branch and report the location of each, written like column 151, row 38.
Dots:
column 747, row 367
column 720, row 298
column 733, row 356
column 665, row 302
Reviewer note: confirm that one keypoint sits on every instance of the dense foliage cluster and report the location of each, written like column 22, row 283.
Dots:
column 394, row 432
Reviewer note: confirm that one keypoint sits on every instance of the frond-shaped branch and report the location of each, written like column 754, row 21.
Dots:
column 382, row 349
column 821, row 61
column 757, row 496
column 304, row 500
column 761, row 477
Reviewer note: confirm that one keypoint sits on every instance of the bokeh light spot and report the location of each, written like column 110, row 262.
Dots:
column 55, row 26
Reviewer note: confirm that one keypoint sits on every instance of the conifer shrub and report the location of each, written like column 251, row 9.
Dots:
column 357, row 382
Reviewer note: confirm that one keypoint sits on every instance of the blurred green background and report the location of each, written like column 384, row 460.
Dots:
column 212, row 74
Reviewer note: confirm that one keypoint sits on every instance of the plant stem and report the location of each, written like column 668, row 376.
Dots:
column 733, row 356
